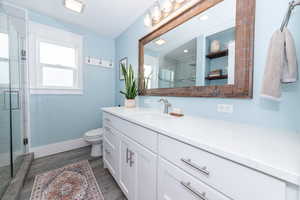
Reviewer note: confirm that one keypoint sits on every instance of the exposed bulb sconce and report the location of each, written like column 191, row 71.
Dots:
column 156, row 12
column 148, row 20
column 167, row 6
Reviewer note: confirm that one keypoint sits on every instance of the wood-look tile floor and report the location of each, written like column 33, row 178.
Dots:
column 108, row 186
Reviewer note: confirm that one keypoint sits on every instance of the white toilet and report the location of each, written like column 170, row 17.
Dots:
column 94, row 137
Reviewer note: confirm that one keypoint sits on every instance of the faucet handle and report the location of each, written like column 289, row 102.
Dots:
column 164, row 100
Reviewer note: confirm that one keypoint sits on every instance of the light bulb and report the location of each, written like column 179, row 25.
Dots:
column 180, row 1
column 167, row 6
column 156, row 13
column 148, row 20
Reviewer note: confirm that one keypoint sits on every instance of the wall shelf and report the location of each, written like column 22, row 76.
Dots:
column 217, row 77
column 218, row 54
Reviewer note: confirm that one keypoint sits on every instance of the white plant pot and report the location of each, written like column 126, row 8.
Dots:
column 130, row 103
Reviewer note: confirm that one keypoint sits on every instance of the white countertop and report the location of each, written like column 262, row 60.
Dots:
column 273, row 152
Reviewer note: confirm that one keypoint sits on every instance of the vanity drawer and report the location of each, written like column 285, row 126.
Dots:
column 175, row 184
column 143, row 136
column 232, row 179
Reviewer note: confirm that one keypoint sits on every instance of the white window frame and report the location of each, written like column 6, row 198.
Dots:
column 43, row 33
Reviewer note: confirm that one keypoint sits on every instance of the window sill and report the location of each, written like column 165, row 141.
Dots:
column 57, row 91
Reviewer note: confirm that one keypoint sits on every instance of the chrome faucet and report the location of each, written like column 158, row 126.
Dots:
column 166, row 104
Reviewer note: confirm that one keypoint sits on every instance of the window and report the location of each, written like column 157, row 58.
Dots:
column 4, row 59
column 56, row 61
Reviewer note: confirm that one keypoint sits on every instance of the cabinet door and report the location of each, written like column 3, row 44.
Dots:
column 126, row 173
column 144, row 165
column 110, row 157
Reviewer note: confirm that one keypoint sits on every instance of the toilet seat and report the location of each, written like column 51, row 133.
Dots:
column 94, row 134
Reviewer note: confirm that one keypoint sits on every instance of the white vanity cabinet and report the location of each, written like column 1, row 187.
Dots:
column 150, row 163
column 135, row 163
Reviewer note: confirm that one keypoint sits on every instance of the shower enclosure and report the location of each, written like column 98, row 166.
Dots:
column 13, row 102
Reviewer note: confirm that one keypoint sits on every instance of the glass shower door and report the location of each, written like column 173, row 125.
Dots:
column 5, row 112
column 12, row 65
column 16, row 64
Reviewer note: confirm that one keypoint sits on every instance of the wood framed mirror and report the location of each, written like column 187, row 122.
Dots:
column 206, row 51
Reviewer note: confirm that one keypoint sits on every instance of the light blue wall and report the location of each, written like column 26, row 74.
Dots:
column 56, row 118
column 284, row 115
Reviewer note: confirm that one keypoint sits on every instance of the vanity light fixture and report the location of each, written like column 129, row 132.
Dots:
column 160, row 42
column 74, row 5
column 164, row 8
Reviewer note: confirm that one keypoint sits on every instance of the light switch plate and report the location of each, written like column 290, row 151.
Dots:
column 225, row 108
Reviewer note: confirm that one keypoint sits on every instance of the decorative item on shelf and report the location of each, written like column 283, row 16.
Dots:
column 123, row 61
column 131, row 90
column 99, row 62
column 215, row 46
column 216, row 75
column 163, row 9
column 217, row 72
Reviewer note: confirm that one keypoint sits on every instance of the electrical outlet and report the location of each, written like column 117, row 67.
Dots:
column 225, row 108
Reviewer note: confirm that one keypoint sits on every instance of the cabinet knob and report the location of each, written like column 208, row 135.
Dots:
column 127, row 155
column 131, row 158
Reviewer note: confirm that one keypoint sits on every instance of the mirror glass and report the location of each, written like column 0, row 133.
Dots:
column 199, row 52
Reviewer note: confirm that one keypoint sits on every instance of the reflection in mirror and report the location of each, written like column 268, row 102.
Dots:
column 199, row 52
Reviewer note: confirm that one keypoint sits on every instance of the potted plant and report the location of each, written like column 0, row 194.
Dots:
column 131, row 90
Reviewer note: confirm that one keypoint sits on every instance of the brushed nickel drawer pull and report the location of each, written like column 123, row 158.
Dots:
column 195, row 192
column 189, row 162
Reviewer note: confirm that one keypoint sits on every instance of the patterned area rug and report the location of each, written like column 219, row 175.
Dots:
column 72, row 182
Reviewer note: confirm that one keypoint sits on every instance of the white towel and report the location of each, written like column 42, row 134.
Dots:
column 290, row 65
column 281, row 64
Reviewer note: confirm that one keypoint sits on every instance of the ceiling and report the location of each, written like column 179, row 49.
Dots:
column 106, row 17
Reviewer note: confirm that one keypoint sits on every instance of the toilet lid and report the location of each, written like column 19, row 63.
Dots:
column 94, row 133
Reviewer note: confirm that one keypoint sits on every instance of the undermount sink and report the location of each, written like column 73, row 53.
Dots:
column 154, row 116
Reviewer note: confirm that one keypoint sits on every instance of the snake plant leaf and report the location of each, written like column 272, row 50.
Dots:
column 131, row 90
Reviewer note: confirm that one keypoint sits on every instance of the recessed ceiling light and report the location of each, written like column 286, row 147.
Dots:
column 185, row 51
column 74, row 5
column 160, row 42
column 203, row 17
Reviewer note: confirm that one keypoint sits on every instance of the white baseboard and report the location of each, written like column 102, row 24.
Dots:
column 55, row 148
